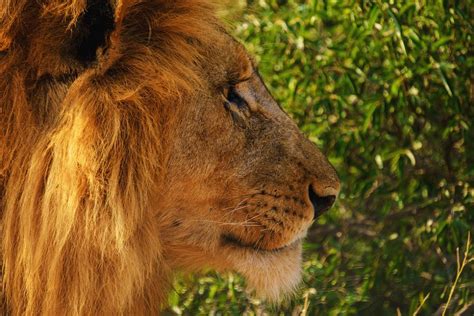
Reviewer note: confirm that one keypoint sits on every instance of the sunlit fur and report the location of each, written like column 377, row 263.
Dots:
column 73, row 183
column 117, row 171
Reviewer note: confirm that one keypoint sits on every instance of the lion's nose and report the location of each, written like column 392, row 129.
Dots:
column 322, row 199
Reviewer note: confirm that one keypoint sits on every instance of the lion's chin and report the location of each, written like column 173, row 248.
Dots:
column 271, row 275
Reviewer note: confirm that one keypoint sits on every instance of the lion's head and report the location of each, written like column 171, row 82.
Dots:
column 139, row 139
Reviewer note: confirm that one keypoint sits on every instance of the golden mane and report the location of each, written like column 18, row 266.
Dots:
column 75, row 180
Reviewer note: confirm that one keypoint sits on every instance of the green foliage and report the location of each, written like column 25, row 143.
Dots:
column 386, row 89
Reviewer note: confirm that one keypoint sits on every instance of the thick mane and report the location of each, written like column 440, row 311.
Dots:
column 76, row 176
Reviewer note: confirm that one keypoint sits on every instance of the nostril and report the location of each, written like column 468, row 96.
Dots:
column 321, row 204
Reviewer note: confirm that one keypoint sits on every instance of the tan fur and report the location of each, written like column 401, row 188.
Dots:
column 118, row 171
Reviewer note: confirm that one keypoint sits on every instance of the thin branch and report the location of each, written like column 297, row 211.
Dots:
column 421, row 304
column 460, row 268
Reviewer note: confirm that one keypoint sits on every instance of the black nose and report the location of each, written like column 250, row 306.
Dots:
column 321, row 204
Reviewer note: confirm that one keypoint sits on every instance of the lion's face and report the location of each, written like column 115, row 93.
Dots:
column 242, row 183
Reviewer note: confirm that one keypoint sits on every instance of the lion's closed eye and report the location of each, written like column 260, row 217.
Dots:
column 237, row 106
column 232, row 96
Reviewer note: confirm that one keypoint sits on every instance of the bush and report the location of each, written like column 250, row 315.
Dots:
column 386, row 89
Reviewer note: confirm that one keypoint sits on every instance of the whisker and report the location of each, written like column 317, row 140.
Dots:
column 244, row 223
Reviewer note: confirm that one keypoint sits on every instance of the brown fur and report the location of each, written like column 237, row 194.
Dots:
column 120, row 167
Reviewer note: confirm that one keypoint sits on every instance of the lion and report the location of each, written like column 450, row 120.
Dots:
column 137, row 140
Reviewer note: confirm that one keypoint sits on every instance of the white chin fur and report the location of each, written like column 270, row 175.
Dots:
column 272, row 276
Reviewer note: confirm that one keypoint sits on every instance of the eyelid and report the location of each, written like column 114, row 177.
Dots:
column 232, row 84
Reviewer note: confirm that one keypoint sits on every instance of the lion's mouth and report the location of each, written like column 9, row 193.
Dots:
column 231, row 240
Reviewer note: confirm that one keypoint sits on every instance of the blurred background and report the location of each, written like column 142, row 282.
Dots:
column 386, row 90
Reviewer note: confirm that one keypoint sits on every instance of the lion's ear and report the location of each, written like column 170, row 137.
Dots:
column 80, row 26
column 91, row 31
column 96, row 26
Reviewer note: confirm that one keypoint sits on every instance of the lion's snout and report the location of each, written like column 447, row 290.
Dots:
column 322, row 182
